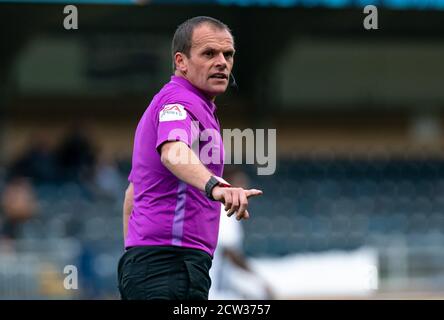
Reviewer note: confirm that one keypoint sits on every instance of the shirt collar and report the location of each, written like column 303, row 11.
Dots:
column 189, row 86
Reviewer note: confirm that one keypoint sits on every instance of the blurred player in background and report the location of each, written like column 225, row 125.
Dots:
column 229, row 259
column 172, row 205
column 18, row 205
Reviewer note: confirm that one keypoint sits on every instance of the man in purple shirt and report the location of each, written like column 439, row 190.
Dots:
column 172, row 204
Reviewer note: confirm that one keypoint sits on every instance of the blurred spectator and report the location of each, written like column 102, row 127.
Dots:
column 18, row 205
column 108, row 179
column 76, row 157
column 37, row 162
column 229, row 256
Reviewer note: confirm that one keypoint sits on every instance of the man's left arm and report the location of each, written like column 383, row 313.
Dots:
column 127, row 208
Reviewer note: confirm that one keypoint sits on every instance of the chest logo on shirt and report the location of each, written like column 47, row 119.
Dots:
column 172, row 112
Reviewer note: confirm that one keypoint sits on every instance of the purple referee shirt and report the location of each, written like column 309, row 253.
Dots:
column 166, row 210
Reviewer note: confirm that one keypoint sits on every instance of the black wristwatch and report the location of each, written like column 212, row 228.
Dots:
column 213, row 182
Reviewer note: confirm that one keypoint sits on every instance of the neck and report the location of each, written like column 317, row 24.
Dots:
column 177, row 73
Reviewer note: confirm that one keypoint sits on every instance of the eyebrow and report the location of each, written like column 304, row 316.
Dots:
column 231, row 50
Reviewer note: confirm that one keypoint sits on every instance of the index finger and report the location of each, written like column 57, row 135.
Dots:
column 253, row 192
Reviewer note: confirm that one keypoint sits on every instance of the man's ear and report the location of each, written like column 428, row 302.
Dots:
column 181, row 62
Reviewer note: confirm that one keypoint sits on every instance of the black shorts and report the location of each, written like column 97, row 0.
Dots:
column 164, row 273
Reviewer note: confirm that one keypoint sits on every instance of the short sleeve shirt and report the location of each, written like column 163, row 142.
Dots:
column 166, row 210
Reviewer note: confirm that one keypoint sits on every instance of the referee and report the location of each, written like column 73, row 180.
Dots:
column 172, row 207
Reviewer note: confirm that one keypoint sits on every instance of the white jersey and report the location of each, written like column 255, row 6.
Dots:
column 231, row 235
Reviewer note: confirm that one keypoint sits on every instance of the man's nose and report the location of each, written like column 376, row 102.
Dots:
column 221, row 62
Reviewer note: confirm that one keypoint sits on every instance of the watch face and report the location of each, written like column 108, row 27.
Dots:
column 210, row 186
column 214, row 181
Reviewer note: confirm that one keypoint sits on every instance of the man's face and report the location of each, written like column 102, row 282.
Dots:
column 211, row 59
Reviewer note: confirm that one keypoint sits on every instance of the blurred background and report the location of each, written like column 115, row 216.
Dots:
column 355, row 208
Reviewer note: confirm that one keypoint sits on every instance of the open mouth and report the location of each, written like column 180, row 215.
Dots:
column 219, row 76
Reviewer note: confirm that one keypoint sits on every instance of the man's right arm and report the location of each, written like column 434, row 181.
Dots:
column 177, row 157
